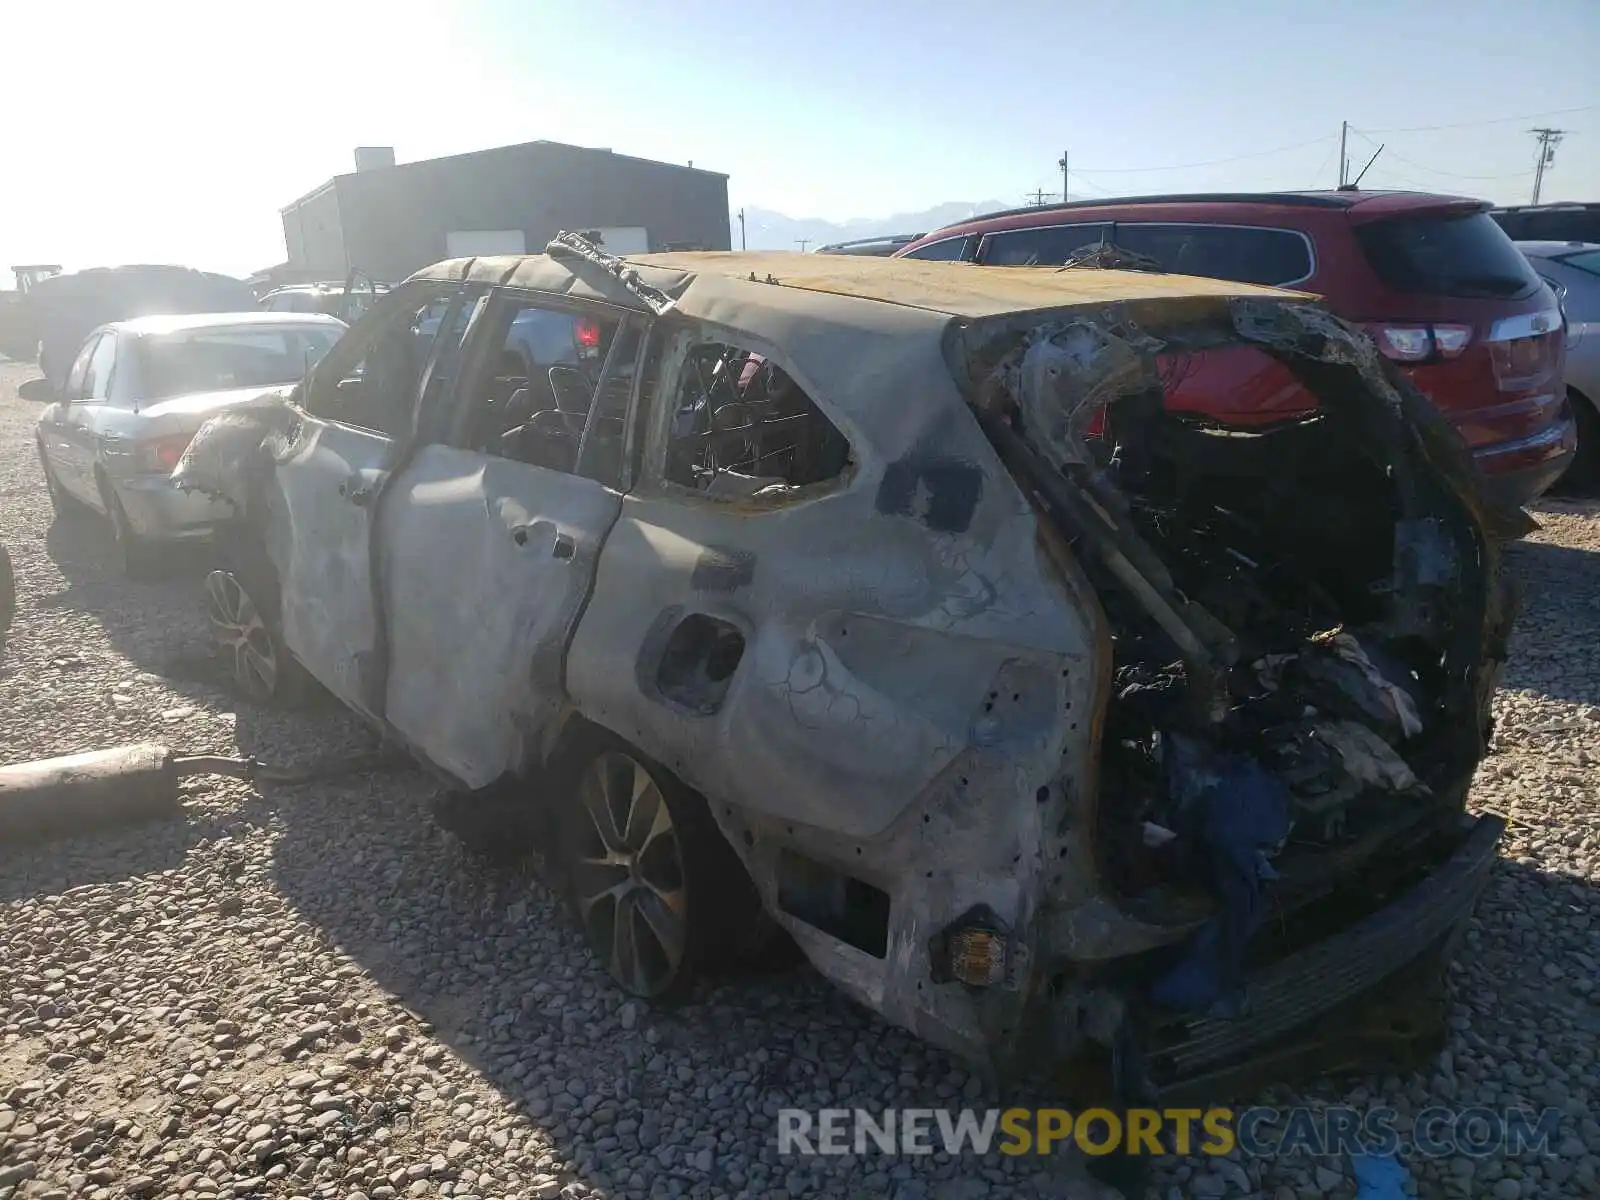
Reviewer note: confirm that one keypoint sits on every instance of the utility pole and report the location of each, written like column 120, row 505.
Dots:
column 1344, row 132
column 741, row 229
column 1549, row 139
column 802, row 243
column 1062, row 163
column 1037, row 197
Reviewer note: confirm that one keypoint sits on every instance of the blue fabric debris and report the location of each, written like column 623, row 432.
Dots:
column 1380, row 1177
column 1236, row 813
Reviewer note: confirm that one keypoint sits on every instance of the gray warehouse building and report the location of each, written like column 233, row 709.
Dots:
column 388, row 221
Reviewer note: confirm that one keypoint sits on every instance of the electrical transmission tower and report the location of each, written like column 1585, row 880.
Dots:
column 1549, row 139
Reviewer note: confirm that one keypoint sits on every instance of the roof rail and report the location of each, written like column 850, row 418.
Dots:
column 1300, row 199
column 1553, row 206
column 884, row 238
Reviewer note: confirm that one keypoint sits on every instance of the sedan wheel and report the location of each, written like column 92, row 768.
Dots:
column 630, row 875
column 1583, row 476
column 62, row 504
column 258, row 662
column 135, row 554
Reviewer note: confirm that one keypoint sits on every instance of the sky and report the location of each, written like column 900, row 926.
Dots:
column 174, row 131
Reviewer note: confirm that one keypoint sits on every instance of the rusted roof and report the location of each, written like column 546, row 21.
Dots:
column 957, row 289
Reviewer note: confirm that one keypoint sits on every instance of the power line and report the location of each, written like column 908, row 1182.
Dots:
column 1211, row 163
column 1549, row 139
column 1431, row 170
column 1090, row 186
column 1555, row 112
column 1316, row 179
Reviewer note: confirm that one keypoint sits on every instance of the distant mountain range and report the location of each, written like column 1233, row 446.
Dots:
column 768, row 230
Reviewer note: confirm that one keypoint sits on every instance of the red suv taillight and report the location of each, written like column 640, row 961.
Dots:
column 586, row 335
column 161, row 454
column 1527, row 349
column 1409, row 343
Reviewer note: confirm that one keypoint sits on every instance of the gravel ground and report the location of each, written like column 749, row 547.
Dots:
column 308, row 991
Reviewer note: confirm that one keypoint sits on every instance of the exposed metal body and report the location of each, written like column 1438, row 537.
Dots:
column 915, row 705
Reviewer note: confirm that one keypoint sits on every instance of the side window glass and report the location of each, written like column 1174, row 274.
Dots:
column 1047, row 247
column 80, row 371
column 378, row 390
column 949, row 250
column 742, row 428
column 544, row 401
column 1266, row 256
column 97, row 386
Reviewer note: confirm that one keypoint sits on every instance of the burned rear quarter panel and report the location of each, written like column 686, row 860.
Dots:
column 916, row 700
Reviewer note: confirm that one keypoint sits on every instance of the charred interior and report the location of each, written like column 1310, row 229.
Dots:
column 1296, row 610
column 1286, row 536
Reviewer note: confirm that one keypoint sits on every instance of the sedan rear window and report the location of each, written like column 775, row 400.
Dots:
column 1464, row 256
column 214, row 360
column 1587, row 261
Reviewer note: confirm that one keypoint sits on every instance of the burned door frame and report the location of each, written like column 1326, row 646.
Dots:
column 485, row 564
column 892, row 675
column 329, row 484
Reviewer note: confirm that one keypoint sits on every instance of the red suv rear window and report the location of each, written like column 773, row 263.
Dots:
column 1460, row 255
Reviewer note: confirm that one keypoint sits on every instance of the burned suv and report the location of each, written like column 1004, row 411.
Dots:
column 806, row 605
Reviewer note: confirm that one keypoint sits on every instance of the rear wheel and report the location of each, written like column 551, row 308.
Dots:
column 136, row 555
column 62, row 502
column 1583, row 476
column 658, row 891
column 245, row 633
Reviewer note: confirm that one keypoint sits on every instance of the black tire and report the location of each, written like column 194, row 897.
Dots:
column 62, row 503
column 243, row 610
column 658, row 892
column 136, row 556
column 1583, row 476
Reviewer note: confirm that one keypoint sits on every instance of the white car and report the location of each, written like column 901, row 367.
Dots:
column 137, row 392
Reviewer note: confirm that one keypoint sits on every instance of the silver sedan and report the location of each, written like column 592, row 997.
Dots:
column 137, row 392
column 1573, row 270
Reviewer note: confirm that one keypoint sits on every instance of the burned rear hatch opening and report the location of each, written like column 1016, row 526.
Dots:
column 1305, row 617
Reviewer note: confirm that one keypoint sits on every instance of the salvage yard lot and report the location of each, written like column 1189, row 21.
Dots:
column 309, row 991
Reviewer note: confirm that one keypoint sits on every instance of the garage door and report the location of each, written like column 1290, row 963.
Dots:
column 469, row 243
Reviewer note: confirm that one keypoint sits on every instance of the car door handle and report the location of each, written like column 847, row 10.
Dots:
column 352, row 491
column 561, row 545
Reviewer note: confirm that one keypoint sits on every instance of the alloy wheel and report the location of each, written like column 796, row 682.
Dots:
column 628, row 874
column 240, row 634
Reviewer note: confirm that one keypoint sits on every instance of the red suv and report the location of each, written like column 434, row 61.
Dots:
column 1436, row 282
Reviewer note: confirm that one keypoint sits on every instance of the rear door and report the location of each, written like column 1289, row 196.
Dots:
column 80, row 424
column 804, row 607
column 360, row 405
column 490, row 535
